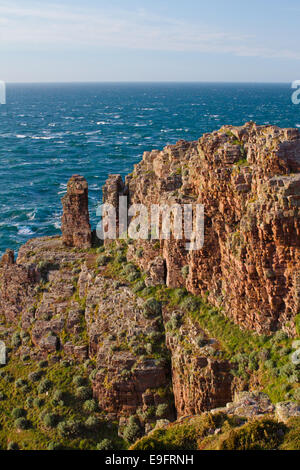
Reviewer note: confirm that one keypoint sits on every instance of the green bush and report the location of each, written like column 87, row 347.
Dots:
column 35, row 376
column 22, row 424
column 16, row 340
column 2, row 396
column 92, row 423
column 20, row 383
column 43, row 364
column 129, row 268
column 93, row 374
column 54, row 446
column 162, row 410
column 59, row 396
column 190, row 304
column 78, row 380
column 50, row 420
column 38, row 402
column 90, row 406
column 139, row 286
column 131, row 277
column 106, row 444
column 18, row 413
column 83, row 393
column 70, row 428
column 185, row 271
column 132, row 432
column 259, row 435
column 44, row 386
column 12, row 446
column 102, row 260
column 151, row 307
column 279, row 336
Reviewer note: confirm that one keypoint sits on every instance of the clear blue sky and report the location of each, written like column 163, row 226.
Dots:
column 149, row 40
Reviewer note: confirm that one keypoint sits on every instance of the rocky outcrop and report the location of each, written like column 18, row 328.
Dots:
column 201, row 380
column 248, row 180
column 120, row 338
column 76, row 229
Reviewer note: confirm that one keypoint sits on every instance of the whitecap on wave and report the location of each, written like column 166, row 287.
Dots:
column 25, row 231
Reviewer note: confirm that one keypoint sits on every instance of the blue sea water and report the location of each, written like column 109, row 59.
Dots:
column 50, row 131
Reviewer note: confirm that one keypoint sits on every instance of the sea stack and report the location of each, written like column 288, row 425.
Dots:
column 76, row 229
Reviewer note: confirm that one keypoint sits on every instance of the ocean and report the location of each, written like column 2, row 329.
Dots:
column 49, row 132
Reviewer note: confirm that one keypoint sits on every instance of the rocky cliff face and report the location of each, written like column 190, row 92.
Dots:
column 248, row 180
column 113, row 306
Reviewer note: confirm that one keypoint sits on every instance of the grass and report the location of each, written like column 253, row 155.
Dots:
column 38, row 435
column 221, row 432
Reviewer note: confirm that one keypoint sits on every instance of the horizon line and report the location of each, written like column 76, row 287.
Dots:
column 66, row 82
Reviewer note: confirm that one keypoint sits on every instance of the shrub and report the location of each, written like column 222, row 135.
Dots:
column 139, row 286
column 43, row 364
column 92, row 375
column 22, row 423
column 200, row 340
column 38, row 402
column 270, row 364
column 12, row 446
column 44, row 386
column 120, row 258
column 129, row 268
column 29, row 402
column 279, row 337
column 102, row 260
column 155, row 336
column 258, row 435
column 132, row 432
column 18, row 413
column 176, row 320
column 178, row 295
column 148, row 413
column 16, row 340
column 50, row 420
column 2, row 396
column 20, row 383
column 70, row 428
column 106, row 444
column 92, row 423
column 185, row 271
column 131, row 277
column 190, row 304
column 78, row 380
column 54, row 446
column 59, row 396
column 90, row 406
column 35, row 376
column 151, row 307
column 83, row 393
column 162, row 410
column 287, row 370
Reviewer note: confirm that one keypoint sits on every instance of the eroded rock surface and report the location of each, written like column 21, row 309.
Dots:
column 76, row 229
column 248, row 180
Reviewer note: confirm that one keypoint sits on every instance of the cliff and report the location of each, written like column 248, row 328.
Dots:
column 248, row 180
column 148, row 330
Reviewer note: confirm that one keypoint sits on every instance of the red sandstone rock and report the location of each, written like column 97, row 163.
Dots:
column 249, row 182
column 76, row 229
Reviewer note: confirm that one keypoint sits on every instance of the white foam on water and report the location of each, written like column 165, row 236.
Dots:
column 25, row 231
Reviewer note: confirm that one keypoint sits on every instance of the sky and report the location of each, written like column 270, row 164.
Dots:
column 149, row 40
